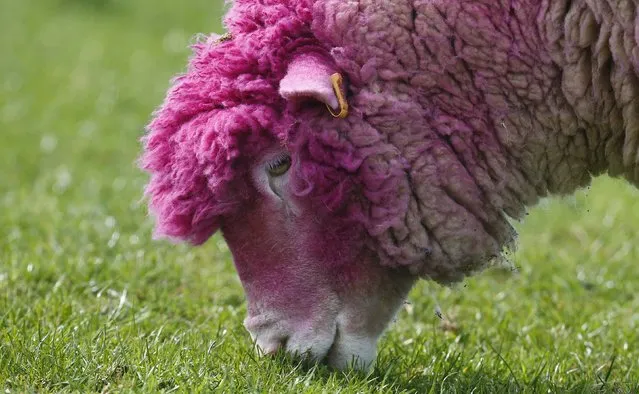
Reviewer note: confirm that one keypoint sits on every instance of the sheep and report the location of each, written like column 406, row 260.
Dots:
column 346, row 149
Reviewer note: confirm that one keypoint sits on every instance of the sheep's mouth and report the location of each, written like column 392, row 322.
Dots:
column 332, row 349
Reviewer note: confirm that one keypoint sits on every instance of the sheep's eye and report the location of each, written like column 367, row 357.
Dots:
column 279, row 166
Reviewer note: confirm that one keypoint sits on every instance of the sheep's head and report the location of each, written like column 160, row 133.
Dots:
column 281, row 186
column 330, row 218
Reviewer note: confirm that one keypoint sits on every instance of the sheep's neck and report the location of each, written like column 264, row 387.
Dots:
column 599, row 59
column 561, row 89
column 580, row 96
column 490, row 105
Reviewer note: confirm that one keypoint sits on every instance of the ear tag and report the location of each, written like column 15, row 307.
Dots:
column 336, row 81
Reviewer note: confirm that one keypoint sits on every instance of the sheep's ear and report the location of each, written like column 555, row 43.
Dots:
column 311, row 76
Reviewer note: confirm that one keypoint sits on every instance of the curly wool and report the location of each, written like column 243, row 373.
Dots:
column 226, row 110
column 458, row 119
column 221, row 110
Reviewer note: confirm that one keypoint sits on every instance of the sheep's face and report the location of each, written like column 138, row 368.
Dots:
column 299, row 196
column 313, row 288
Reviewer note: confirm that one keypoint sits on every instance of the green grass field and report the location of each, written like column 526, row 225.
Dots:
column 89, row 302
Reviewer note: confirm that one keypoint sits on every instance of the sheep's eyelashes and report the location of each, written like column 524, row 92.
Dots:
column 279, row 166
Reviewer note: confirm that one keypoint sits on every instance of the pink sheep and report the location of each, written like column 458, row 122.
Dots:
column 346, row 149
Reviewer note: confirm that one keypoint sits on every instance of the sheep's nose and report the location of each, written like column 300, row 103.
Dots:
column 266, row 334
column 306, row 340
column 270, row 348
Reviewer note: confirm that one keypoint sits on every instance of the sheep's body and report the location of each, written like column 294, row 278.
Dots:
column 500, row 103
column 463, row 112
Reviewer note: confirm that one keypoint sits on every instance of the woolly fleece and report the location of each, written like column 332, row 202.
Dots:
column 463, row 112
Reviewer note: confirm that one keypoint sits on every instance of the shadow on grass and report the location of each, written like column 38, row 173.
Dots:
column 453, row 373
column 448, row 374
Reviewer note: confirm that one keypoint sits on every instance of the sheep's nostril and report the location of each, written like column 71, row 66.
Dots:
column 272, row 348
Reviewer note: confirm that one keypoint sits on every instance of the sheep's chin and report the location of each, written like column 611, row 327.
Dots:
column 352, row 351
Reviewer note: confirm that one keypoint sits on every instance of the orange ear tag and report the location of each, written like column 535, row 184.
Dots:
column 336, row 81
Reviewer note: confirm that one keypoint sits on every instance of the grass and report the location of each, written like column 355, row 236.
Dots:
column 88, row 302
